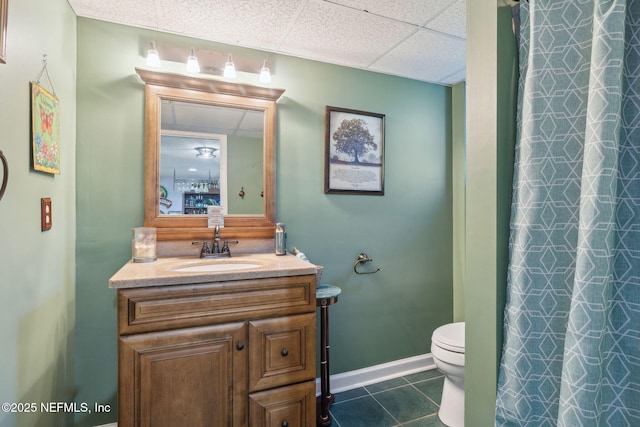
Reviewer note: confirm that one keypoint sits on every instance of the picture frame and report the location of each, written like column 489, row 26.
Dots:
column 354, row 152
column 4, row 12
column 45, row 130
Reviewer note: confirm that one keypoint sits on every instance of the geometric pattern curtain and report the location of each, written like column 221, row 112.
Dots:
column 571, row 354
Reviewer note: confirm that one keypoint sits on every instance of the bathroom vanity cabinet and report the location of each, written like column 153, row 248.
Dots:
column 234, row 352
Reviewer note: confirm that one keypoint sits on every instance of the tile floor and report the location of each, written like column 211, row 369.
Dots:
column 409, row 401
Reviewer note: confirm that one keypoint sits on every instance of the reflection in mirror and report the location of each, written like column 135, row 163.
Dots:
column 205, row 150
column 190, row 173
column 234, row 123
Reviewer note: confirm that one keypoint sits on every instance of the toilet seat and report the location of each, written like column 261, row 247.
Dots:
column 450, row 337
column 447, row 356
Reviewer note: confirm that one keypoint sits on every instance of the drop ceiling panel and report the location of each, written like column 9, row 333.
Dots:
column 139, row 13
column 327, row 32
column 415, row 12
column 190, row 117
column 424, row 56
column 454, row 78
column 452, row 20
column 203, row 118
column 398, row 37
column 252, row 23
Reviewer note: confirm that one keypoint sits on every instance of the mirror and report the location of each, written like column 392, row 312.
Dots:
column 232, row 127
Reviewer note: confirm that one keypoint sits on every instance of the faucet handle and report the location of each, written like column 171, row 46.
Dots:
column 225, row 246
column 205, row 247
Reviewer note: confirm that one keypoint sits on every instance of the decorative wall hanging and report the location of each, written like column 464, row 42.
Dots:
column 45, row 126
column 354, row 152
column 4, row 12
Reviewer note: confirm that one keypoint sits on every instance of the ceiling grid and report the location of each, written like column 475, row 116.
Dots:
column 416, row 39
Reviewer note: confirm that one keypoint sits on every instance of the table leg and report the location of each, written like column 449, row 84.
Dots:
column 325, row 399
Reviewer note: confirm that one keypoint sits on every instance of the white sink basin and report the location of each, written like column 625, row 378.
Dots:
column 215, row 266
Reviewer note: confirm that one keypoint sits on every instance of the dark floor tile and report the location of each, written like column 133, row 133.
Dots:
column 406, row 403
column 386, row 385
column 361, row 412
column 350, row 394
column 432, row 388
column 424, row 375
column 430, row 421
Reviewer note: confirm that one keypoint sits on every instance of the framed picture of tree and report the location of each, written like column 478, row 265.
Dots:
column 354, row 152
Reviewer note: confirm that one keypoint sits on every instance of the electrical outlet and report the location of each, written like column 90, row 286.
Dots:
column 45, row 213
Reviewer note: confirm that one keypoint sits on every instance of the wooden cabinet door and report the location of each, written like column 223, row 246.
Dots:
column 282, row 351
column 291, row 406
column 186, row 377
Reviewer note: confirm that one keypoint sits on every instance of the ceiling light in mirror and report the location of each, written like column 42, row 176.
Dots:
column 205, row 152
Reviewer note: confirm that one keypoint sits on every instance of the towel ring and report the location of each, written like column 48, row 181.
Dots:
column 363, row 258
column 5, row 174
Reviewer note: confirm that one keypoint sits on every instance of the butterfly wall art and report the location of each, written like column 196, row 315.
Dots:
column 45, row 130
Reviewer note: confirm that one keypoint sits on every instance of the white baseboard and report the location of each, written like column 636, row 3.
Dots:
column 370, row 375
column 374, row 374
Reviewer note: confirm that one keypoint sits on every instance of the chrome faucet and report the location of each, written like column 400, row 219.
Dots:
column 216, row 251
column 215, row 247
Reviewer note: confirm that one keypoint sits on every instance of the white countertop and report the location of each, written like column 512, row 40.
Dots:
column 163, row 270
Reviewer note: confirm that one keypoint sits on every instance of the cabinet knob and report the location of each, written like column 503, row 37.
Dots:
column 284, row 353
column 240, row 346
column 285, row 424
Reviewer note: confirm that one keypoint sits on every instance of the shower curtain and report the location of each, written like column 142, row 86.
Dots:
column 571, row 354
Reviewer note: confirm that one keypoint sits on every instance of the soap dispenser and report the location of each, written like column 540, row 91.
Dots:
column 281, row 239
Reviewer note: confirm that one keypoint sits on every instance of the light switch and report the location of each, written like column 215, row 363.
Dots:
column 45, row 213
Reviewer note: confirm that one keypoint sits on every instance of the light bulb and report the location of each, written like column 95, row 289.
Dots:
column 153, row 59
column 229, row 68
column 192, row 63
column 265, row 74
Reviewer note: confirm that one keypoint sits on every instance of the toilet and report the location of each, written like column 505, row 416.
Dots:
column 447, row 348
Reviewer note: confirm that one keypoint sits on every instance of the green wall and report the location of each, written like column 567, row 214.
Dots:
column 244, row 171
column 110, row 158
column 37, row 269
column 458, row 177
column 391, row 314
column 408, row 232
column 491, row 109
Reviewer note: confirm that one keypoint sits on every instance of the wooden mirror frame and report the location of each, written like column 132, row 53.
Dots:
column 205, row 90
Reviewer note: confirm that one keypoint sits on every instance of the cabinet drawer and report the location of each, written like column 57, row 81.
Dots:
column 286, row 406
column 281, row 351
column 170, row 307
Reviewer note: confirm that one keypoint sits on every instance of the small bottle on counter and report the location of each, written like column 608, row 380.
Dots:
column 281, row 239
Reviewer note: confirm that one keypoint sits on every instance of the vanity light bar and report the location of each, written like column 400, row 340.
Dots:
column 208, row 62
